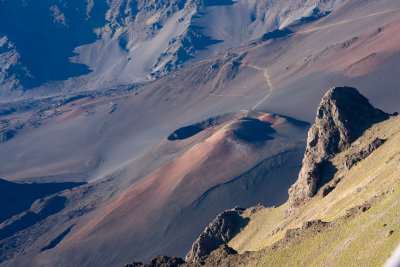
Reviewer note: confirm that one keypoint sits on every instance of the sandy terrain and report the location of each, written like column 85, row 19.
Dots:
column 149, row 195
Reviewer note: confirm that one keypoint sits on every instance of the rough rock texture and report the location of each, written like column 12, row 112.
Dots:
column 329, row 187
column 309, row 226
column 342, row 116
column 126, row 41
column 219, row 232
column 159, row 261
column 362, row 153
column 217, row 257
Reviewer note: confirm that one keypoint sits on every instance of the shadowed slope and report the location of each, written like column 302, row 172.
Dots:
column 355, row 222
column 39, row 211
column 16, row 197
column 300, row 66
column 150, row 207
column 342, row 116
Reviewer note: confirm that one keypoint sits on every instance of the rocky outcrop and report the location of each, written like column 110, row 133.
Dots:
column 219, row 232
column 364, row 152
column 218, row 257
column 159, row 261
column 342, row 116
column 7, row 135
column 178, row 29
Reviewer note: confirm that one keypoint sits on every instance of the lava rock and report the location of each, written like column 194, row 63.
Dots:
column 342, row 116
column 218, row 232
column 159, row 261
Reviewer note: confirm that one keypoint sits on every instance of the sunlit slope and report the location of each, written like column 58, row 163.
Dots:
column 224, row 163
column 360, row 223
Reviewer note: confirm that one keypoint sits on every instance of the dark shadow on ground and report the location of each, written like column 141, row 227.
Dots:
column 327, row 172
column 276, row 34
column 57, row 240
column 16, row 198
column 208, row 3
column 45, row 35
column 40, row 211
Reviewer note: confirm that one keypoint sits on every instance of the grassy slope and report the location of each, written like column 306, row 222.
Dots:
column 359, row 240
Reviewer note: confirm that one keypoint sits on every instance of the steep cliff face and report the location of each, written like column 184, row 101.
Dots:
column 342, row 116
column 220, row 231
column 361, row 204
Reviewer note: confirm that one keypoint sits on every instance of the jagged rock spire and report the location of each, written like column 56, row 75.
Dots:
column 342, row 116
column 219, row 232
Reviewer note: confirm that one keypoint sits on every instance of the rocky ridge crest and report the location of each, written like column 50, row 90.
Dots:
column 342, row 116
column 218, row 232
column 159, row 261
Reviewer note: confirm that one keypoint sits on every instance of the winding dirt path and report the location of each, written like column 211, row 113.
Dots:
column 268, row 82
column 265, row 70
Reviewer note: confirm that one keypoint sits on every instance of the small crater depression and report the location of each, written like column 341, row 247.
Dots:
column 185, row 132
column 252, row 130
column 191, row 130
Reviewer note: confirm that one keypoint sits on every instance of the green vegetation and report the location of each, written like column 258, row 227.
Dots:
column 362, row 211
